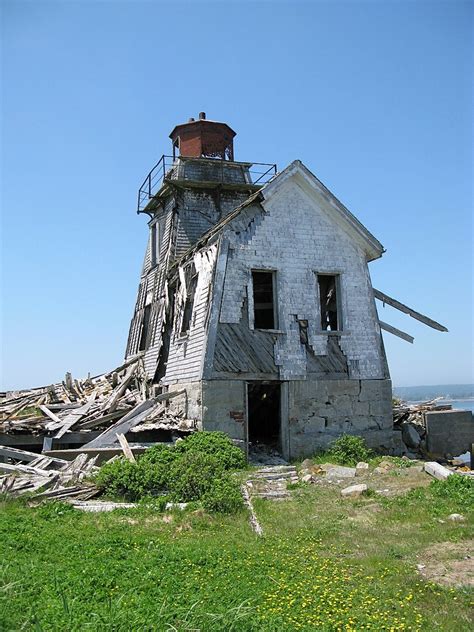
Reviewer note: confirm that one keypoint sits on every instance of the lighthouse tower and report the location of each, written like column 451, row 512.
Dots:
column 184, row 195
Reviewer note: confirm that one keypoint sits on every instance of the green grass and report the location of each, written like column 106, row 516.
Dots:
column 324, row 563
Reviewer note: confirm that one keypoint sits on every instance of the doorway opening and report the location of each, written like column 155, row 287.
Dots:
column 264, row 420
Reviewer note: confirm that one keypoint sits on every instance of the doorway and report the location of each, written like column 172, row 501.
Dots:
column 264, row 413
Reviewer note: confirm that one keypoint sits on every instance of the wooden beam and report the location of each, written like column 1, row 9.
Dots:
column 408, row 310
column 125, row 447
column 396, row 332
column 131, row 419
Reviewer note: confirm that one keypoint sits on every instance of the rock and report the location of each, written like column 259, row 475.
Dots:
column 456, row 517
column 410, row 436
column 386, row 465
column 380, row 470
column 362, row 468
column 307, row 464
column 307, row 478
column 339, row 471
column 354, row 491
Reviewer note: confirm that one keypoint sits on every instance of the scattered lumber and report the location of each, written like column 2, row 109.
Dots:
column 110, row 404
column 59, row 477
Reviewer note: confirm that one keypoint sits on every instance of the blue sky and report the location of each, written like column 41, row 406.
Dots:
column 374, row 97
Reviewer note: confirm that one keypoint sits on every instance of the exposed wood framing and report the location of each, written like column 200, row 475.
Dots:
column 408, row 310
column 396, row 332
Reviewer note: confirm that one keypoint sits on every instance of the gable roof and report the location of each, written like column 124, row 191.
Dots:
column 297, row 172
column 313, row 187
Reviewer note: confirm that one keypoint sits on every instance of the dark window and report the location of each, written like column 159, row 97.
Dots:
column 145, row 327
column 191, row 283
column 263, row 300
column 329, row 302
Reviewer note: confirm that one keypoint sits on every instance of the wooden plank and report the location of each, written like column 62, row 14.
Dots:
column 130, row 420
column 112, row 402
column 50, row 414
column 23, row 455
column 408, row 310
column 396, row 332
column 74, row 417
column 126, row 448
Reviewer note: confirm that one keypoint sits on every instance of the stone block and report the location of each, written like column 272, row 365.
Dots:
column 339, row 471
column 354, row 491
column 437, row 471
column 449, row 432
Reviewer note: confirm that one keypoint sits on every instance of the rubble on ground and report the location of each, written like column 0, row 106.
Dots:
column 409, row 420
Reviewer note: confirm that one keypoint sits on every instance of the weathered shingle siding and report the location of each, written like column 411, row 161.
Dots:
column 186, row 352
column 298, row 239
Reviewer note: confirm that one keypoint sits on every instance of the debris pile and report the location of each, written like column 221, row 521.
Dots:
column 116, row 402
column 47, row 477
column 409, row 419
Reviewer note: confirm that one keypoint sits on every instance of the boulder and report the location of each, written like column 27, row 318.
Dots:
column 410, row 436
column 307, row 478
column 354, row 491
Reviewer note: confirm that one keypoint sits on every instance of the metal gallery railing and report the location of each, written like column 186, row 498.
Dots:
column 167, row 168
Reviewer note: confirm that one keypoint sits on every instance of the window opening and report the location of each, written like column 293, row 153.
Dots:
column 145, row 327
column 329, row 302
column 191, row 277
column 263, row 300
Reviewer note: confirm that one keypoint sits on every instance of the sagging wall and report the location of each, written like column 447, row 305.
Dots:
column 296, row 238
column 319, row 412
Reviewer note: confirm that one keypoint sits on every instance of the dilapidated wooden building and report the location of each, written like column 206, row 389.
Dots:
column 255, row 300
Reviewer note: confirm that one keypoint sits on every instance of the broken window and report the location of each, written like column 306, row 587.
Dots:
column 329, row 302
column 263, row 300
column 145, row 327
column 190, row 281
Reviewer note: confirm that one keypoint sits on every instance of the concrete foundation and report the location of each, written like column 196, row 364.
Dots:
column 313, row 414
column 449, row 432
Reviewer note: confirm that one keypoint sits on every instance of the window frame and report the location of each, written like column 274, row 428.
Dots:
column 337, row 274
column 276, row 317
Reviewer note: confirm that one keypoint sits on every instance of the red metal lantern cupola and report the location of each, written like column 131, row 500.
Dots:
column 203, row 139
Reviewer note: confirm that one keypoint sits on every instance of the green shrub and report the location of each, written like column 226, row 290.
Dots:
column 217, row 444
column 132, row 481
column 186, row 472
column 192, row 475
column 349, row 450
column 224, row 496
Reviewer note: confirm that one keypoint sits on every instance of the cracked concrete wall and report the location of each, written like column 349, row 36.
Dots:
column 321, row 411
column 224, row 407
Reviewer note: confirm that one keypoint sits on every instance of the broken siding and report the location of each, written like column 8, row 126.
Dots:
column 240, row 350
column 186, row 351
column 298, row 239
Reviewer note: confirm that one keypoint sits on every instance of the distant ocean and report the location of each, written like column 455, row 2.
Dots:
column 463, row 404
column 460, row 404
